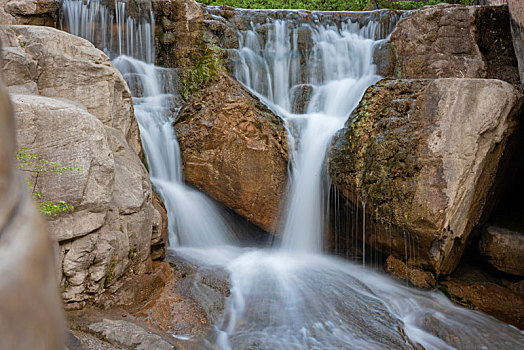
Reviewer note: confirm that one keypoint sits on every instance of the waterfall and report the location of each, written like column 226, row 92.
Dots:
column 335, row 63
column 291, row 298
column 194, row 220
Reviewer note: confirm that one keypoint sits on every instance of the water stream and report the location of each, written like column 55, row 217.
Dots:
column 291, row 296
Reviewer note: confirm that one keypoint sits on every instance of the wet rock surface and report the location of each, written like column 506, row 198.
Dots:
column 474, row 286
column 451, row 41
column 402, row 153
column 234, row 149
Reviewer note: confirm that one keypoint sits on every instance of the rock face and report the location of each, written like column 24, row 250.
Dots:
column 234, row 149
column 30, row 309
column 74, row 108
column 516, row 10
column 502, row 244
column 449, row 41
column 178, row 32
column 49, row 62
column 423, row 154
column 33, row 12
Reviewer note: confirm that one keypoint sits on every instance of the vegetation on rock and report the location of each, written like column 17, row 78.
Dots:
column 33, row 163
column 333, row 5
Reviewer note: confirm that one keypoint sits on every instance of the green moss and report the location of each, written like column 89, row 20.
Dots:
column 195, row 78
column 109, row 272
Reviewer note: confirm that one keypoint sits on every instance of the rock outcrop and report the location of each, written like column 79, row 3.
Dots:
column 31, row 314
column 234, row 149
column 32, row 12
column 49, row 62
column 502, row 244
column 57, row 79
column 423, row 154
column 451, row 41
column 516, row 11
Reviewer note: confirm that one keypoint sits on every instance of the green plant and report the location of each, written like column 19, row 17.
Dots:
column 209, row 65
column 36, row 165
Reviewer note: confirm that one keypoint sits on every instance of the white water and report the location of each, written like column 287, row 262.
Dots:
column 295, row 298
column 338, row 67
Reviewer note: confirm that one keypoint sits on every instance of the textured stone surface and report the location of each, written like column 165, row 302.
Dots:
column 109, row 233
column 30, row 309
column 417, row 277
column 516, row 10
column 52, row 63
column 130, row 335
column 179, row 32
column 234, row 149
column 33, row 12
column 478, row 290
column 451, row 41
column 423, row 155
column 74, row 108
column 502, row 244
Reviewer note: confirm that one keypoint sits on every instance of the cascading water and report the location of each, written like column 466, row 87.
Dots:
column 336, row 68
column 197, row 221
column 292, row 298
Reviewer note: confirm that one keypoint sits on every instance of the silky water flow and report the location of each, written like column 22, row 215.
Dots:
column 290, row 296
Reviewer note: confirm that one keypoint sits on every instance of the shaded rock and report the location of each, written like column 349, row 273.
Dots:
column 446, row 41
column 502, row 244
column 178, row 32
column 478, row 290
column 300, row 97
column 417, row 277
column 53, row 63
column 33, row 12
column 234, row 149
column 30, row 309
column 130, row 334
column 516, row 10
column 385, row 60
column 159, row 236
column 403, row 154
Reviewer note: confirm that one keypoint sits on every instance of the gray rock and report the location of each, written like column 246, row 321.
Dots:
column 131, row 335
column 516, row 10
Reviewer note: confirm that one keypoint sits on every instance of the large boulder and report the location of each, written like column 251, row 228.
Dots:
column 422, row 155
column 31, row 314
column 49, row 62
column 234, row 149
column 452, row 41
column 73, row 107
column 516, row 10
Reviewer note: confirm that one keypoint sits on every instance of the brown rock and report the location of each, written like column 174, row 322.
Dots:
column 450, row 41
column 31, row 314
column 234, row 149
column 179, row 27
column 159, row 237
column 423, row 154
column 475, row 290
column 33, row 12
column 516, row 10
column 502, row 244
column 417, row 277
